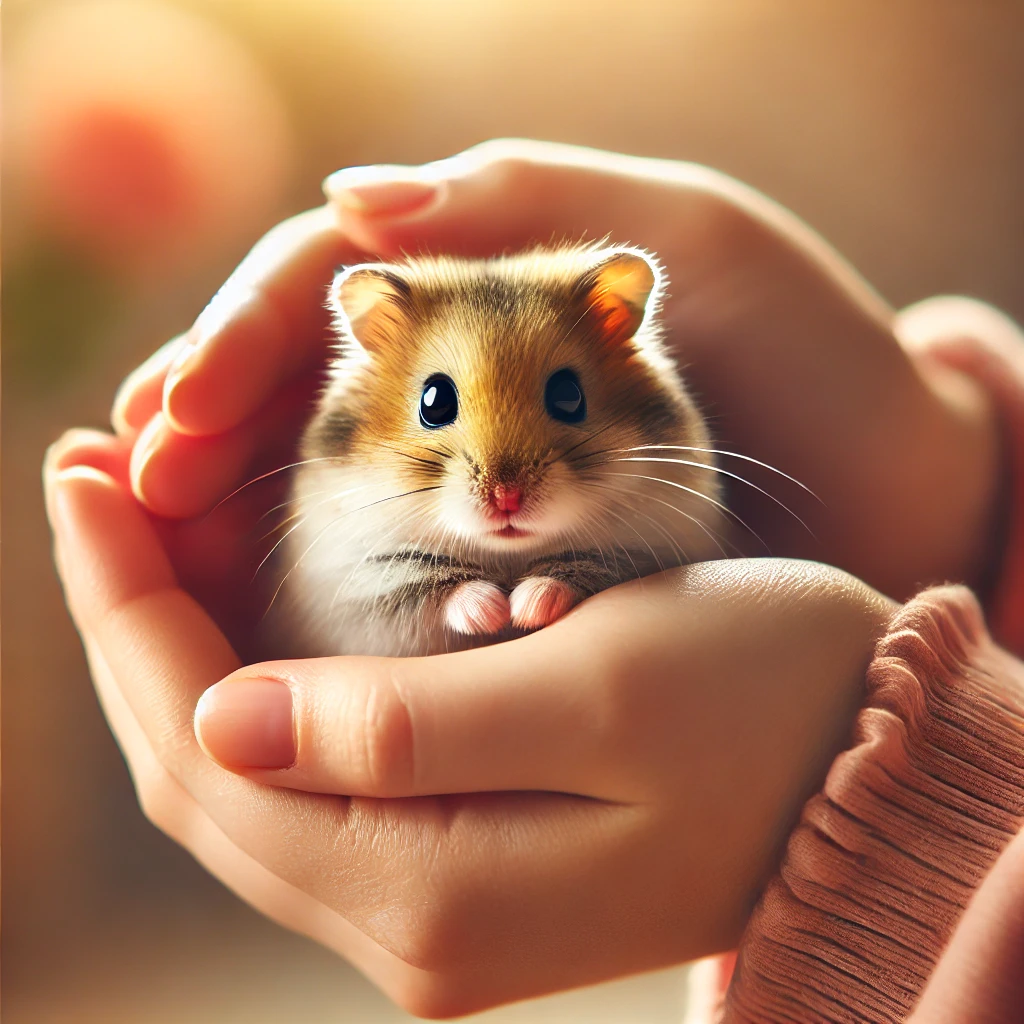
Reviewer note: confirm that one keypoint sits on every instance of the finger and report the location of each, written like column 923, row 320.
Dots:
column 509, row 717
column 945, row 319
column 163, row 651
column 180, row 476
column 81, row 447
column 140, row 395
column 506, row 194
column 558, row 710
column 553, row 711
column 436, row 863
column 266, row 324
column 172, row 809
column 979, row 976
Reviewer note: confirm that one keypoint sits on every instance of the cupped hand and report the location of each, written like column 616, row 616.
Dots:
column 796, row 361
column 602, row 797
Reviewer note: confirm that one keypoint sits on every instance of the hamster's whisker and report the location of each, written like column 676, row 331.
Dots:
column 284, row 522
column 390, row 497
column 367, row 556
column 589, row 529
column 415, row 458
column 434, row 451
column 681, row 553
column 714, row 469
column 618, row 544
column 681, row 556
column 704, row 497
column 597, row 433
column 302, row 519
column 362, row 561
column 643, row 540
column 331, row 496
column 285, row 504
column 308, row 512
column 302, row 497
column 711, row 534
column 334, row 522
column 592, row 537
column 265, row 476
column 267, row 556
column 713, row 451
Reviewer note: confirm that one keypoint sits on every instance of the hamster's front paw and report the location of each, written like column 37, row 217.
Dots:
column 477, row 608
column 539, row 600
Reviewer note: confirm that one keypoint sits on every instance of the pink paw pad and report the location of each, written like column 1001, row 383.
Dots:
column 477, row 608
column 539, row 600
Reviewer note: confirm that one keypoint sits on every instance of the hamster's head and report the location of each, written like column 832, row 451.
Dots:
column 503, row 393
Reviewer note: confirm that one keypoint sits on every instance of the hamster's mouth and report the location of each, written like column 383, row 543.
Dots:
column 510, row 531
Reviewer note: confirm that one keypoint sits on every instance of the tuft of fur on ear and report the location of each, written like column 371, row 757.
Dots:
column 619, row 291
column 369, row 302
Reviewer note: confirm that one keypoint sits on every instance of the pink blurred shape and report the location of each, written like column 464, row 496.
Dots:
column 141, row 133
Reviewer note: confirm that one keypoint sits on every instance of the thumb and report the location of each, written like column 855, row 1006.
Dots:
column 515, row 716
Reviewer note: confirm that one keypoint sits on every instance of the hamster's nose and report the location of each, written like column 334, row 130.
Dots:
column 506, row 499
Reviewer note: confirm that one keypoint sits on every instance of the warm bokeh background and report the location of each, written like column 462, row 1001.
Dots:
column 148, row 144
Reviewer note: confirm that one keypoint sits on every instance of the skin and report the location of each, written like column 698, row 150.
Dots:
column 979, row 977
column 769, row 324
column 519, row 786
column 674, row 802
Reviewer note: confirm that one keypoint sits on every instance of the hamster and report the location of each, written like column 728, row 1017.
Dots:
column 497, row 440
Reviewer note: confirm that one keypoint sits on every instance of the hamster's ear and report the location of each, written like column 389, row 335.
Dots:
column 369, row 302
column 619, row 289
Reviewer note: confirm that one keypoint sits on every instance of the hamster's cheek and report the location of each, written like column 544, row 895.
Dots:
column 459, row 512
column 560, row 504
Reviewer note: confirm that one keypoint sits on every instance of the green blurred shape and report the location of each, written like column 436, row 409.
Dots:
column 58, row 306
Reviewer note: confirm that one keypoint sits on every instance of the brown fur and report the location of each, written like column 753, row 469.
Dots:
column 499, row 329
column 376, row 578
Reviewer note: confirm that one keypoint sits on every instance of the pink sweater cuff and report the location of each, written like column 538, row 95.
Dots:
column 880, row 869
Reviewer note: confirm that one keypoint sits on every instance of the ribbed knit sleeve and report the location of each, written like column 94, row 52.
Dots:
column 885, row 859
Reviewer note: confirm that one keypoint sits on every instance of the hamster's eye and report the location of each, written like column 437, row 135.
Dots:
column 439, row 402
column 564, row 398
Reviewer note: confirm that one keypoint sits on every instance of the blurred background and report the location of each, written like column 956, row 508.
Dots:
column 149, row 144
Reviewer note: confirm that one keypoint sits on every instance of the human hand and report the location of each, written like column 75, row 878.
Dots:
column 979, row 977
column 796, row 360
column 599, row 798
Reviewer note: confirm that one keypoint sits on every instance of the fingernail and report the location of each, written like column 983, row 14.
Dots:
column 54, row 494
column 247, row 723
column 143, row 450
column 57, row 486
column 164, row 358
column 382, row 191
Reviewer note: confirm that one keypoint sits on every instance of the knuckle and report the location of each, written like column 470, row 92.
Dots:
column 505, row 162
column 383, row 741
column 494, row 151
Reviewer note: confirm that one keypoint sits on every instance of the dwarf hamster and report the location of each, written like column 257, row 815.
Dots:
column 497, row 440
